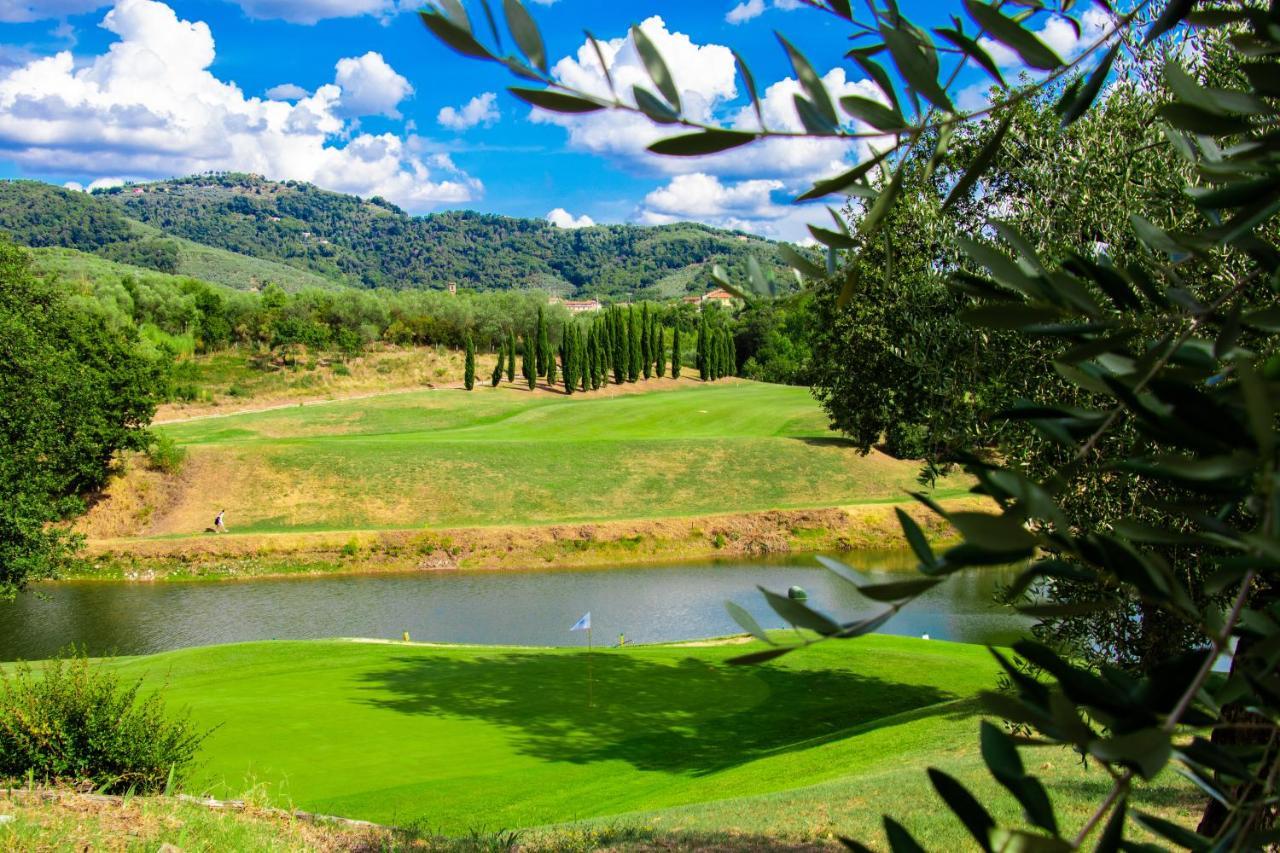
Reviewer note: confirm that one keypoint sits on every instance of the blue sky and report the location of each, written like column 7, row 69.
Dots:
column 356, row 96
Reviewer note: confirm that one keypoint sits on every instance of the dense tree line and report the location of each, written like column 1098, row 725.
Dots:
column 627, row 343
column 624, row 344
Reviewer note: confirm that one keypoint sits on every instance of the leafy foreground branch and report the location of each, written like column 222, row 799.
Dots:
column 1160, row 387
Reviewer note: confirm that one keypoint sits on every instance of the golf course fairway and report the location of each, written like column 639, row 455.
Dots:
column 461, row 738
column 504, row 456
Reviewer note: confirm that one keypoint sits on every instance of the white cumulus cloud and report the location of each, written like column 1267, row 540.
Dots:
column 748, row 205
column 706, row 78
column 370, row 86
column 22, row 11
column 99, row 184
column 745, row 11
column 703, row 74
column 736, row 188
column 480, row 110
column 311, row 11
column 562, row 218
column 750, row 9
column 287, row 92
column 703, row 195
column 150, row 107
column 1058, row 35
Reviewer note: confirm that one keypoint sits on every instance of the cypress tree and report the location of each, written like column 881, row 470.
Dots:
column 633, row 345
column 675, row 352
column 496, row 378
column 655, row 348
column 544, row 347
column 575, row 361
column 511, row 356
column 527, row 365
column 469, row 364
column 551, row 367
column 710, row 356
column 646, row 342
column 565, row 362
column 617, row 346
column 582, row 368
column 660, row 350
column 730, row 355
column 593, row 356
column 704, row 369
column 602, row 357
column 602, row 354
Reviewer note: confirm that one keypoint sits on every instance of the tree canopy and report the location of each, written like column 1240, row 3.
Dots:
column 73, row 393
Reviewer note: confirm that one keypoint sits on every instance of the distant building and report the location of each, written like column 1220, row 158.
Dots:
column 453, row 290
column 580, row 306
column 719, row 296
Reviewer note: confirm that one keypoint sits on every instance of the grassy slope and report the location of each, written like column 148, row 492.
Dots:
column 233, row 269
column 194, row 261
column 75, row 267
column 461, row 738
column 230, row 380
column 505, row 456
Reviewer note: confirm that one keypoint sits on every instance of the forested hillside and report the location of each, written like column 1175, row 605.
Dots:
column 369, row 242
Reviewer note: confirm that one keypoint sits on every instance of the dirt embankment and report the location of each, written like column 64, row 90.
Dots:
column 514, row 548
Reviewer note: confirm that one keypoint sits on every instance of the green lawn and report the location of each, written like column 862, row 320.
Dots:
column 487, row 738
column 505, row 456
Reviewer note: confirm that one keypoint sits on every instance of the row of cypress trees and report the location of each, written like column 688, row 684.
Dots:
column 624, row 344
column 717, row 355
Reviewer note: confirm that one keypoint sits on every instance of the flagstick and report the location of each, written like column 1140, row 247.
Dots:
column 590, row 699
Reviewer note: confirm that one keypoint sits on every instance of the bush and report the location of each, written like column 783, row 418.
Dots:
column 164, row 454
column 73, row 721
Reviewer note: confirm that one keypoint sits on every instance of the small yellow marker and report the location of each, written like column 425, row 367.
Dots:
column 406, row 636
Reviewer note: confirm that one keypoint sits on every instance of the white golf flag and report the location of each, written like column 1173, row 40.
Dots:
column 583, row 624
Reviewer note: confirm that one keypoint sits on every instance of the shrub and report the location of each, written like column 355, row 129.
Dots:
column 341, row 370
column 75, row 721
column 164, row 454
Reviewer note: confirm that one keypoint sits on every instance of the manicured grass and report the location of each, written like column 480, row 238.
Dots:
column 486, row 738
column 474, row 737
column 505, row 456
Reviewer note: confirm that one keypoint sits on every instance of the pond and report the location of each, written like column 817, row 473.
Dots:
column 649, row 604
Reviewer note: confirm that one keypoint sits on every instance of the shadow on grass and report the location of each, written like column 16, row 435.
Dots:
column 827, row 441
column 690, row 716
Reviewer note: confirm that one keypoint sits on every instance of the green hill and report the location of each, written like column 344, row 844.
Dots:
column 82, row 236
column 242, row 231
column 505, row 456
column 374, row 243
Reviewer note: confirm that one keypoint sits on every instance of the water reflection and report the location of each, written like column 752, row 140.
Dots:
column 648, row 604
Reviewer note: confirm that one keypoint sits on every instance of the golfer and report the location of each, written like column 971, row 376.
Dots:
column 218, row 525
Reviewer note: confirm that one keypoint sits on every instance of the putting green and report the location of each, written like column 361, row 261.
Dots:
column 502, row 456
column 462, row 738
